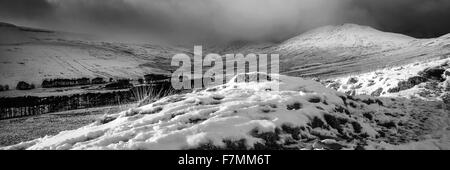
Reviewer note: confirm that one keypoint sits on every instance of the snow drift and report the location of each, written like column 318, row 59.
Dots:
column 302, row 114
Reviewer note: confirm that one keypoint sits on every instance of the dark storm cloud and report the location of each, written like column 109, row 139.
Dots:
column 418, row 18
column 226, row 20
column 24, row 8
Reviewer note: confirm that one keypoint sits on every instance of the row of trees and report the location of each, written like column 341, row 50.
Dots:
column 151, row 78
column 4, row 88
column 25, row 86
column 119, row 84
column 11, row 107
column 54, row 83
column 30, row 105
column 20, row 86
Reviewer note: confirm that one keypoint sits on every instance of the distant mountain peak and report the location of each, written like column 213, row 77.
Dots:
column 347, row 35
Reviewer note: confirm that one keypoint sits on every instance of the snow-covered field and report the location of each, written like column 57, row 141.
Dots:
column 302, row 114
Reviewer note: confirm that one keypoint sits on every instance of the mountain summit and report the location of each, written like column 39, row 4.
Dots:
column 347, row 35
column 338, row 50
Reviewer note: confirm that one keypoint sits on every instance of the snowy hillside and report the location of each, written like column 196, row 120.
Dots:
column 301, row 115
column 339, row 50
column 28, row 54
column 425, row 80
column 348, row 36
column 334, row 51
column 33, row 55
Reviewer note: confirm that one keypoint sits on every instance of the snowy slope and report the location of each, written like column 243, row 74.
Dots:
column 339, row 50
column 32, row 55
column 28, row 54
column 425, row 80
column 333, row 51
column 301, row 115
column 347, row 36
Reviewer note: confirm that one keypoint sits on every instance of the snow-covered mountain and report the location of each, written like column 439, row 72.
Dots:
column 334, row 51
column 338, row 50
column 302, row 114
column 346, row 36
column 28, row 54
column 31, row 55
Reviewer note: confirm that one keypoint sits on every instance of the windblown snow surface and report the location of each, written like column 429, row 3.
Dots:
column 425, row 80
column 300, row 114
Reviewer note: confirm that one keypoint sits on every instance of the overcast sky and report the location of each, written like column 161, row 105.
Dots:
column 227, row 20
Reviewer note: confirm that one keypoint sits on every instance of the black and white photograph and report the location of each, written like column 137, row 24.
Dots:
column 247, row 75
